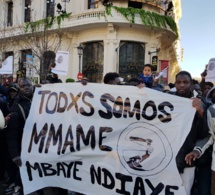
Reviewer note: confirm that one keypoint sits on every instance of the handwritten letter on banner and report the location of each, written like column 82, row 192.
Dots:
column 104, row 139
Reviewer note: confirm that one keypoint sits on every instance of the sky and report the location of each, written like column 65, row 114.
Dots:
column 197, row 34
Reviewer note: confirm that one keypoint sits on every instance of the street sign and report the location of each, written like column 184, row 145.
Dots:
column 80, row 76
column 154, row 63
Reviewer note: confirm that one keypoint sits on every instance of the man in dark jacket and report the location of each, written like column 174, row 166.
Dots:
column 19, row 113
column 183, row 85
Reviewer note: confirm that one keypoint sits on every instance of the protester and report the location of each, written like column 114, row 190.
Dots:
column 183, row 85
column 203, row 165
column 19, row 113
column 112, row 78
column 11, row 168
column 134, row 82
column 196, row 89
column 53, row 78
column 202, row 145
column 207, row 87
column 13, row 91
column 4, row 110
column 147, row 77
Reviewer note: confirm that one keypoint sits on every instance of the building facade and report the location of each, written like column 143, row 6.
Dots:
column 115, row 36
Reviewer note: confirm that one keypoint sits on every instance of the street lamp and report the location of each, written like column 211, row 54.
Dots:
column 80, row 53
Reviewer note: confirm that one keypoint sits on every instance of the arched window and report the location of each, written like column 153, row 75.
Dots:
column 93, row 58
column 131, row 59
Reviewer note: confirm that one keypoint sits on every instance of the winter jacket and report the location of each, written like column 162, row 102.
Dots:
column 19, row 113
column 198, row 131
column 147, row 80
column 202, row 145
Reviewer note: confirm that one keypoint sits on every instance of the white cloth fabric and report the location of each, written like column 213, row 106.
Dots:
column 188, row 178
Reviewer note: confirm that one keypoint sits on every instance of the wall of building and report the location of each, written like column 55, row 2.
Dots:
column 109, row 32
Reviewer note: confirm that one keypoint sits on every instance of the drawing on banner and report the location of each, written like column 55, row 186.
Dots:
column 138, row 154
column 135, row 161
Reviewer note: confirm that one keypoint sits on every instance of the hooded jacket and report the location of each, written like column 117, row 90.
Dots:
column 16, row 124
column 203, row 145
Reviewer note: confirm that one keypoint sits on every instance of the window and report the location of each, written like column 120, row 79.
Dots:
column 48, row 59
column 23, row 57
column 93, row 58
column 27, row 17
column 50, row 5
column 7, row 54
column 10, row 14
column 131, row 59
column 92, row 4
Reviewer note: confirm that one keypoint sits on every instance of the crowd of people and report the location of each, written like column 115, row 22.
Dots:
column 194, row 159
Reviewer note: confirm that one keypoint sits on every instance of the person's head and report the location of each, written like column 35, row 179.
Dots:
column 196, row 87
column 54, row 75
column 112, row 78
column 147, row 70
column 212, row 95
column 208, row 86
column 25, row 87
column 13, row 90
column 171, row 85
column 134, row 81
column 183, row 83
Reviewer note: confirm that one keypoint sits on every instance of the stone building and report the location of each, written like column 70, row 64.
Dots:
column 114, row 36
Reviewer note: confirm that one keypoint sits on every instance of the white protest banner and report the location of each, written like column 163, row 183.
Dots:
column 210, row 71
column 104, row 139
column 62, row 63
column 7, row 66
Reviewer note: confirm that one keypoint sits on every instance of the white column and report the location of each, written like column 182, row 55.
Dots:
column 110, row 46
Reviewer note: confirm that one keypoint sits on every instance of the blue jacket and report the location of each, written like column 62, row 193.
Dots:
column 147, row 80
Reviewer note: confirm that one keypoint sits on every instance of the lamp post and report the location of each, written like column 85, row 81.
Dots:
column 80, row 53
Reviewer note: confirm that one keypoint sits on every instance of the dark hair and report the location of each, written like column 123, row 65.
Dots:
column 195, row 81
column 171, row 85
column 23, row 79
column 209, row 83
column 148, row 65
column 183, row 72
column 110, row 77
column 134, row 80
column 13, row 86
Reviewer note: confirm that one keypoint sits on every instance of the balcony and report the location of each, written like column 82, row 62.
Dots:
column 119, row 16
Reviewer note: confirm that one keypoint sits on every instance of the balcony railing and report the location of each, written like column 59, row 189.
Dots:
column 100, row 15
